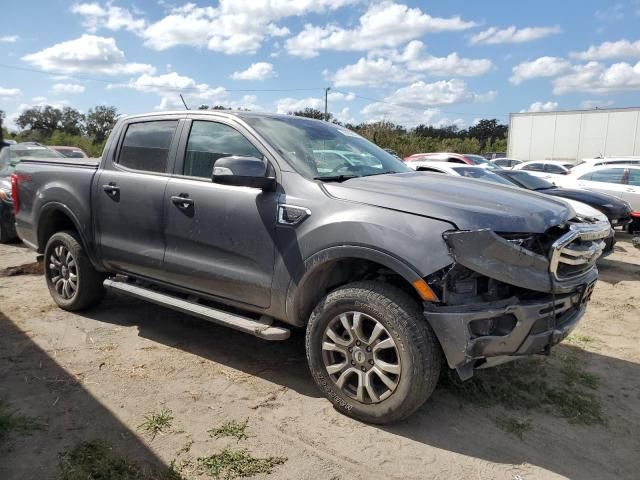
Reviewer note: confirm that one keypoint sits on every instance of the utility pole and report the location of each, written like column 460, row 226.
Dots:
column 326, row 105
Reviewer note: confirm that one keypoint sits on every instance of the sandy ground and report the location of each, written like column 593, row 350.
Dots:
column 95, row 375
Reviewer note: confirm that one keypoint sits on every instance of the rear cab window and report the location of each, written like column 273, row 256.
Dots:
column 146, row 145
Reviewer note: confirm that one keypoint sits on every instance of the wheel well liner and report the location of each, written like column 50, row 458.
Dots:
column 336, row 266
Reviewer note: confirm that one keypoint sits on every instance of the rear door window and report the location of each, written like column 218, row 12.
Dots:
column 534, row 167
column 209, row 141
column 551, row 168
column 608, row 175
column 146, row 145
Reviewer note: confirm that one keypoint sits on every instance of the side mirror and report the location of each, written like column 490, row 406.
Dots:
column 242, row 172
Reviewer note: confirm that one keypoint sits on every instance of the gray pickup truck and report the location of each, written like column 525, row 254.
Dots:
column 266, row 222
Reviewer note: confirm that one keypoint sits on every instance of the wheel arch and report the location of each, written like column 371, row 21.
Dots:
column 336, row 266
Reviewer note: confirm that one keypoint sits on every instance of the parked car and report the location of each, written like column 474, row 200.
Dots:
column 10, row 156
column 468, row 159
column 506, row 162
column 588, row 163
column 618, row 211
column 69, row 152
column 549, row 169
column 621, row 181
column 458, row 169
column 226, row 216
column 501, row 177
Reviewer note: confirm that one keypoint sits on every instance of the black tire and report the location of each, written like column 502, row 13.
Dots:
column 88, row 289
column 4, row 233
column 416, row 349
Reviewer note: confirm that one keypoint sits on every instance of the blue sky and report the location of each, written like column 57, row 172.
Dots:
column 411, row 62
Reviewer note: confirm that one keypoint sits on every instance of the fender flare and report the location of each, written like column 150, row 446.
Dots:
column 342, row 252
column 64, row 209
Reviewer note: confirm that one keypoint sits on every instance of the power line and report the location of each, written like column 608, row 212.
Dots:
column 120, row 82
column 415, row 107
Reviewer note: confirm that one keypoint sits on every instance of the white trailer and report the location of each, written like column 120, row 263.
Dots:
column 574, row 135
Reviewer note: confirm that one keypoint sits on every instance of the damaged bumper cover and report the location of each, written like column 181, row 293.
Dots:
column 534, row 332
column 550, row 298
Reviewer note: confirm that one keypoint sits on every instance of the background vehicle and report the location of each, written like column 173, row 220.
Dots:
column 461, row 170
column 10, row 156
column 587, row 163
column 549, row 169
column 494, row 155
column 574, row 135
column 70, row 152
column 621, row 181
column 468, row 159
column 227, row 216
column 506, row 162
column 618, row 211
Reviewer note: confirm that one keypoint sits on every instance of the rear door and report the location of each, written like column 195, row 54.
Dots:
column 608, row 180
column 632, row 190
column 130, row 197
column 220, row 241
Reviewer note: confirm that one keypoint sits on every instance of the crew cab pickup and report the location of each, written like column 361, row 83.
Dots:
column 265, row 223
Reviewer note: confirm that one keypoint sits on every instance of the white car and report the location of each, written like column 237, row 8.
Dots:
column 505, row 162
column 458, row 169
column 621, row 181
column 588, row 163
column 549, row 169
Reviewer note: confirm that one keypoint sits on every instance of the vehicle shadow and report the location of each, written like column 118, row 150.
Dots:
column 446, row 421
column 615, row 271
column 64, row 413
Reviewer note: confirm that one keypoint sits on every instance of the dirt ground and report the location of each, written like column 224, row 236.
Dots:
column 95, row 375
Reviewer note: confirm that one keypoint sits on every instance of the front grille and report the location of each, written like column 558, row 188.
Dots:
column 576, row 251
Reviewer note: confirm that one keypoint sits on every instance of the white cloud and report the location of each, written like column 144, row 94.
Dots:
column 608, row 50
column 541, row 107
column 87, row 54
column 9, row 39
column 341, row 97
column 108, row 17
column 6, row 93
column 232, row 27
column 405, row 66
column 257, row 71
column 540, row 67
column 286, row 105
column 60, row 88
column 408, row 117
column 494, row 35
column 610, row 14
column 596, row 78
column 444, row 92
column 385, row 24
column 172, row 84
column 370, row 72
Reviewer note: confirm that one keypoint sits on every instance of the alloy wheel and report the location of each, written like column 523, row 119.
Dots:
column 63, row 272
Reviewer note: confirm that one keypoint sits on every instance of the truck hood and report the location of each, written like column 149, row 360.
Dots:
column 467, row 204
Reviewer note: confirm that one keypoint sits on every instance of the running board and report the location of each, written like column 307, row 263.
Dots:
column 261, row 328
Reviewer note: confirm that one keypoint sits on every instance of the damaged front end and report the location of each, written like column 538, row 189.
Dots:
column 509, row 295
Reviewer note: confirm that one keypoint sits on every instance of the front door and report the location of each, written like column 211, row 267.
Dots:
column 130, row 199
column 220, row 237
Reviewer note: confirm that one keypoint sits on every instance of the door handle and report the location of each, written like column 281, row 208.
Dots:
column 182, row 201
column 111, row 189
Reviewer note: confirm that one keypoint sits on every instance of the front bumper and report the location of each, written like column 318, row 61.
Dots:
column 535, row 331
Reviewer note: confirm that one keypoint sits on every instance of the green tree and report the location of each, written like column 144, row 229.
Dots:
column 72, row 121
column 100, row 121
column 485, row 130
column 41, row 120
column 311, row 113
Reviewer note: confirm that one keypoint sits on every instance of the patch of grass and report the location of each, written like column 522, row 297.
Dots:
column 155, row 423
column 12, row 423
column 574, row 375
column 235, row 429
column 526, row 384
column 579, row 340
column 513, row 426
column 230, row 464
column 96, row 460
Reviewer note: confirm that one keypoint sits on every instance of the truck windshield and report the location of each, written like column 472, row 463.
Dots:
column 325, row 151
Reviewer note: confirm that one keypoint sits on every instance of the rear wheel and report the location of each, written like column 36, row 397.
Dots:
column 372, row 352
column 73, row 282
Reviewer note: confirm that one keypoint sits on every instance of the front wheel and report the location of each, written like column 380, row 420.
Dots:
column 372, row 353
column 73, row 282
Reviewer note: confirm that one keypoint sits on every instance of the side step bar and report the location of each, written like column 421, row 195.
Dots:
column 261, row 328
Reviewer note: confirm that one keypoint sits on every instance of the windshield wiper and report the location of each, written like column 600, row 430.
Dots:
column 380, row 173
column 336, row 178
